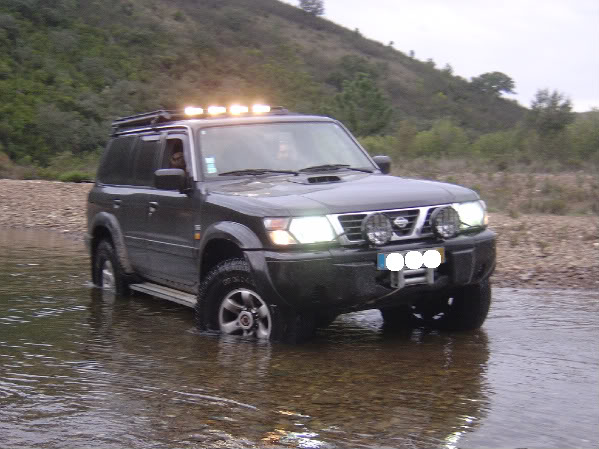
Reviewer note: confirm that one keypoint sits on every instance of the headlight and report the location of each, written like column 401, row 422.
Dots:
column 472, row 214
column 290, row 231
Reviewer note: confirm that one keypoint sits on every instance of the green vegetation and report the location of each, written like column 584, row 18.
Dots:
column 69, row 67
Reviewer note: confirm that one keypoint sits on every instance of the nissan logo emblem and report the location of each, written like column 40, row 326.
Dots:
column 401, row 222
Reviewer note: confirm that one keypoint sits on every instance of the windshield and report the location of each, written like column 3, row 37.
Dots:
column 278, row 146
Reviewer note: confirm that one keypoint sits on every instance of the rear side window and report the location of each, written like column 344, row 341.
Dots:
column 144, row 164
column 116, row 164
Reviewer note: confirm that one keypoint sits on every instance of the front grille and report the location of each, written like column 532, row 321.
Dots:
column 411, row 215
column 416, row 227
column 427, row 228
column 352, row 226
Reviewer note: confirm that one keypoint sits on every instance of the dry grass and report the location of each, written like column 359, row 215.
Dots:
column 518, row 191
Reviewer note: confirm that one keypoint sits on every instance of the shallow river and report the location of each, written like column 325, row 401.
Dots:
column 77, row 370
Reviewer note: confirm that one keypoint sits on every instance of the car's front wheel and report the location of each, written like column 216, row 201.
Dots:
column 229, row 302
column 464, row 308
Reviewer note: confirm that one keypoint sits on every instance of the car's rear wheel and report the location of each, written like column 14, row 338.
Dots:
column 107, row 271
column 229, row 302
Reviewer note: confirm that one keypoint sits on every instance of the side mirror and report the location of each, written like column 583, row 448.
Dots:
column 384, row 163
column 170, row 179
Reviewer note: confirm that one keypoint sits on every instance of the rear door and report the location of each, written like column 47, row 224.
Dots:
column 171, row 223
column 145, row 159
column 113, row 193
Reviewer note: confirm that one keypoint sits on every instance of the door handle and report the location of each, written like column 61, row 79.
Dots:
column 152, row 206
column 116, row 203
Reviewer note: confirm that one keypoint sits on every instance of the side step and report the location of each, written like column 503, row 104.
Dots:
column 169, row 294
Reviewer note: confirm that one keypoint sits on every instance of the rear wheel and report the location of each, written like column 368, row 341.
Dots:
column 107, row 271
column 228, row 301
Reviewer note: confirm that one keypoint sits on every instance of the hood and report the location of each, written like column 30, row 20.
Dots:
column 355, row 192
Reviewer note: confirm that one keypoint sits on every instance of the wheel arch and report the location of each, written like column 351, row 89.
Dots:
column 223, row 241
column 106, row 226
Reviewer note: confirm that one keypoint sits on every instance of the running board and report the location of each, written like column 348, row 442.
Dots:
column 169, row 294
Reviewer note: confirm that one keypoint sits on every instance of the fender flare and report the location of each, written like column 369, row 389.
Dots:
column 110, row 222
column 252, row 249
column 236, row 233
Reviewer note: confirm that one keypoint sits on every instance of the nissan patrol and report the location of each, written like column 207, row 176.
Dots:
column 270, row 224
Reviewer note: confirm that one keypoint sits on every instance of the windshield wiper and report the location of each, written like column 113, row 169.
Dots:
column 256, row 172
column 331, row 167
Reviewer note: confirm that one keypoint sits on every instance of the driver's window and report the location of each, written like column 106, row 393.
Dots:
column 174, row 154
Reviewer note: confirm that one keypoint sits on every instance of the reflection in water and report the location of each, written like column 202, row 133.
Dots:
column 81, row 369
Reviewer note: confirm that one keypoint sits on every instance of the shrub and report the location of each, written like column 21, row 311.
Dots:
column 387, row 145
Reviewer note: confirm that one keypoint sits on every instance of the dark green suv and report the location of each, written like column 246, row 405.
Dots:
column 270, row 224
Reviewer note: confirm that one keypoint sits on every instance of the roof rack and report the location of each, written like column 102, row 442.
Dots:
column 148, row 118
column 169, row 115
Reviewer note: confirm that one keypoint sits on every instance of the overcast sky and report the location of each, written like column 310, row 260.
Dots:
column 538, row 43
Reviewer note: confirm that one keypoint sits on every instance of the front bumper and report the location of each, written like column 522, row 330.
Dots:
column 346, row 278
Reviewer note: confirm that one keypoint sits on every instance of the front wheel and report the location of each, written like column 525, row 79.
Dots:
column 229, row 302
column 465, row 308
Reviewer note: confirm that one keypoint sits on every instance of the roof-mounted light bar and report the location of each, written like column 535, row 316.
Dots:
column 163, row 116
column 192, row 111
column 235, row 109
column 238, row 109
column 217, row 110
column 260, row 109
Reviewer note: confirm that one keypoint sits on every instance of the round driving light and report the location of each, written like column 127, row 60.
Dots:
column 445, row 222
column 376, row 228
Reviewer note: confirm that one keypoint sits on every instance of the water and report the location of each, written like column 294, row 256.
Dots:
column 77, row 370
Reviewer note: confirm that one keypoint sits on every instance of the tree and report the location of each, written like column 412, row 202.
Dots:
column 443, row 139
column 550, row 112
column 362, row 106
column 348, row 68
column 448, row 69
column 314, row 7
column 494, row 83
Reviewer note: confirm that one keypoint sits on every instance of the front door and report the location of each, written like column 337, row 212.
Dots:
column 171, row 218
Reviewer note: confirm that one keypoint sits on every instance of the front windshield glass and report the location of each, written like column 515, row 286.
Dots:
column 278, row 146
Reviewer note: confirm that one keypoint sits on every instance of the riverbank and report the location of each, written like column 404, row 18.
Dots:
column 534, row 250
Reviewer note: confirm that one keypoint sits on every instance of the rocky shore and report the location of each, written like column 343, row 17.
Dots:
column 534, row 251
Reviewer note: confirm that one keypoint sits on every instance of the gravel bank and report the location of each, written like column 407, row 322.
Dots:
column 533, row 250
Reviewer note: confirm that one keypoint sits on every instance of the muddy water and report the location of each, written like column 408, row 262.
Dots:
column 79, row 370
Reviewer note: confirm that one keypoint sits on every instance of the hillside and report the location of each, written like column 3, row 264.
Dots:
column 68, row 67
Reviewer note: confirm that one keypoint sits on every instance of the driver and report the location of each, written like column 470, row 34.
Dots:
column 286, row 154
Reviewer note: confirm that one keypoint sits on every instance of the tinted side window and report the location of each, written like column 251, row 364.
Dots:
column 115, row 168
column 174, row 153
column 144, row 164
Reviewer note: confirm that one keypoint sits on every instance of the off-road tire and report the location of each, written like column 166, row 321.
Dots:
column 287, row 325
column 105, row 252
column 468, row 309
column 399, row 318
